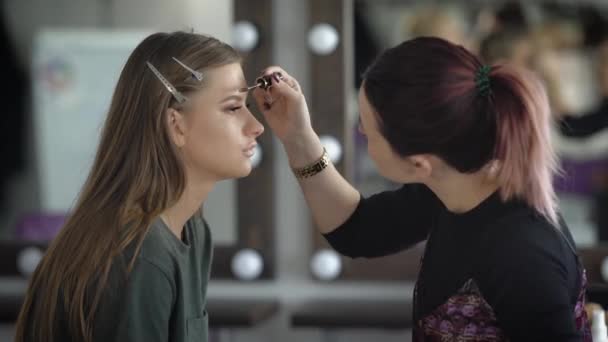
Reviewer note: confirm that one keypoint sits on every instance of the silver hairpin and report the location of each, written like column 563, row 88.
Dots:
column 176, row 94
column 196, row 74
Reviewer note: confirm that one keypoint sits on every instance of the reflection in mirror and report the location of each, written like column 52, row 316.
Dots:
column 564, row 43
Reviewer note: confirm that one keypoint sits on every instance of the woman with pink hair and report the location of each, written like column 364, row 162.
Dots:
column 471, row 145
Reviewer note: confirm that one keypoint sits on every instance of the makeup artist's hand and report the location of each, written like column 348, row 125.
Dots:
column 284, row 107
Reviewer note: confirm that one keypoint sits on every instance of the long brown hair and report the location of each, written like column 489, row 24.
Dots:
column 135, row 176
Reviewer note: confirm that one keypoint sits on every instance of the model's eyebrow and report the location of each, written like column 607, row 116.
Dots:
column 233, row 97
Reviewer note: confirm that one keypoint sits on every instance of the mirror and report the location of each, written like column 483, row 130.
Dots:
column 561, row 41
column 565, row 43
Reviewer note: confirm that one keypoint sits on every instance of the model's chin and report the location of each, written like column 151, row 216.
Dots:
column 238, row 168
column 245, row 169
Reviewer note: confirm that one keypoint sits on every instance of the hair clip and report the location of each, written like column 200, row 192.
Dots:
column 196, row 74
column 176, row 94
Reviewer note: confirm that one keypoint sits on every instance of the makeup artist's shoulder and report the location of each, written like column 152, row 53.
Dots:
column 524, row 227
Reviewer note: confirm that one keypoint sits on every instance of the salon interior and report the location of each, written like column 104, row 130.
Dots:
column 274, row 278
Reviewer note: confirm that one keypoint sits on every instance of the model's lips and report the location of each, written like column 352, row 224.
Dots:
column 250, row 150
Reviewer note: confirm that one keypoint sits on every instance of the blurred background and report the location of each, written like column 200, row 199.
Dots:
column 274, row 278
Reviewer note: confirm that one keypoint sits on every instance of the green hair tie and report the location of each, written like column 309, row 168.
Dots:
column 482, row 81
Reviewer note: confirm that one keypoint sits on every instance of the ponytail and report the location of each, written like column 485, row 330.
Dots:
column 432, row 96
column 523, row 143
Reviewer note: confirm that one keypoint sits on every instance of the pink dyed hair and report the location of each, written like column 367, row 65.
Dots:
column 425, row 95
column 523, row 146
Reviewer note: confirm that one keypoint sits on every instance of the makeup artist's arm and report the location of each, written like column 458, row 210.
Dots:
column 355, row 226
column 330, row 197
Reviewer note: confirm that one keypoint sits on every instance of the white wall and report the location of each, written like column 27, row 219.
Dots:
column 28, row 16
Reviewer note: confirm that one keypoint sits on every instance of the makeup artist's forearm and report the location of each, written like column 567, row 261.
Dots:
column 329, row 196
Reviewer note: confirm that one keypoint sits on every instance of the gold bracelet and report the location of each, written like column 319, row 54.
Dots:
column 314, row 168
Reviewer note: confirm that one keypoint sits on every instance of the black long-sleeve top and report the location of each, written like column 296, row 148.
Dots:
column 503, row 255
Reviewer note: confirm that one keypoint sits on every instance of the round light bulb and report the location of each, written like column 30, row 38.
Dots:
column 28, row 259
column 333, row 147
column 245, row 36
column 256, row 158
column 247, row 264
column 599, row 331
column 326, row 264
column 604, row 269
column 323, row 39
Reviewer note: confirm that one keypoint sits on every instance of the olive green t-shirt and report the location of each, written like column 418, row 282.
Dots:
column 164, row 297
